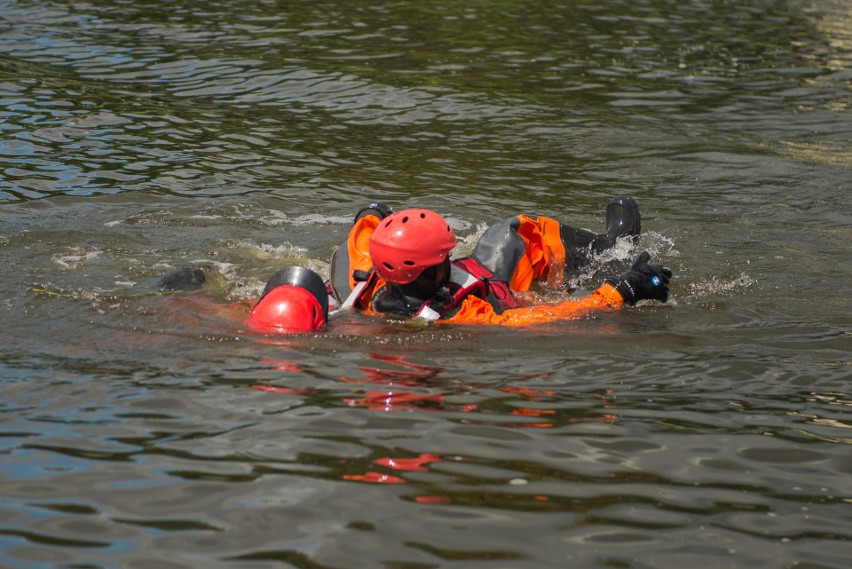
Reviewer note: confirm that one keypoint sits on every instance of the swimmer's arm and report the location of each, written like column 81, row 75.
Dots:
column 476, row 310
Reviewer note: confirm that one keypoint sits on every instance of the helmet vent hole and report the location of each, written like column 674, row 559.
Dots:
column 409, row 263
column 405, row 219
column 422, row 216
column 388, row 266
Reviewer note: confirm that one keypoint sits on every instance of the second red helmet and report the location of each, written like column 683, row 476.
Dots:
column 295, row 299
column 408, row 242
column 287, row 309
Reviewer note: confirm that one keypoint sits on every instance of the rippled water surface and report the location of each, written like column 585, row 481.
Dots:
column 140, row 430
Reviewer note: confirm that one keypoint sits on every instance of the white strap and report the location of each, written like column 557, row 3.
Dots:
column 353, row 296
column 427, row 313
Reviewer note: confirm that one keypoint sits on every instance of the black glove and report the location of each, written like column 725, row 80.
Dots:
column 378, row 209
column 643, row 281
column 182, row 279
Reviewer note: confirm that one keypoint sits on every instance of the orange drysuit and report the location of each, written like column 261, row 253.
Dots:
column 536, row 253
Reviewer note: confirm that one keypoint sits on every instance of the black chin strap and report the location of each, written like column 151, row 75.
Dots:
column 407, row 299
column 394, row 301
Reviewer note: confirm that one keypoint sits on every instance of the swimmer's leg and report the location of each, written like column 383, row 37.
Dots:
column 521, row 250
column 622, row 220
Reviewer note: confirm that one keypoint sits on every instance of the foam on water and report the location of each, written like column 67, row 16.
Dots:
column 76, row 257
column 275, row 217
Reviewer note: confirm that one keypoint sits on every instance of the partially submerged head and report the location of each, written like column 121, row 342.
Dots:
column 295, row 300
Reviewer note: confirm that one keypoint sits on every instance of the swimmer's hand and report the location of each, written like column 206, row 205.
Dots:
column 185, row 279
column 643, row 281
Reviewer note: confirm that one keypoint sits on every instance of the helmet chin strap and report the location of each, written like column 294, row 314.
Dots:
column 395, row 301
column 407, row 299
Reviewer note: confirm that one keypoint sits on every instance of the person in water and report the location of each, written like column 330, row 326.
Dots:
column 399, row 264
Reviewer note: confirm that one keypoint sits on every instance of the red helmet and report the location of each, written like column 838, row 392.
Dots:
column 295, row 299
column 287, row 309
column 408, row 242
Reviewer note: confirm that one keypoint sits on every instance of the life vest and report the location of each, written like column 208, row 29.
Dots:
column 467, row 277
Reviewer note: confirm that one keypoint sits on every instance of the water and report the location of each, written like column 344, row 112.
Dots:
column 146, row 430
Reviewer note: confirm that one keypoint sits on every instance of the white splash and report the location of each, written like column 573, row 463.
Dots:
column 264, row 251
column 466, row 243
column 717, row 285
column 277, row 218
column 76, row 257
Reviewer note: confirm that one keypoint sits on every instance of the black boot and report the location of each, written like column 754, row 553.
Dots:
column 622, row 219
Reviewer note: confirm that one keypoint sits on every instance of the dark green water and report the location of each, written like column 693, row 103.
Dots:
column 140, row 430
